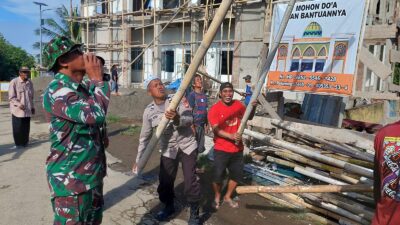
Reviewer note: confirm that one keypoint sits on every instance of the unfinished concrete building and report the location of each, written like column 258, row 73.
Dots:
column 169, row 32
column 159, row 37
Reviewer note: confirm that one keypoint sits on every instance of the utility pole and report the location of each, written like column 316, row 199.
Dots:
column 40, row 4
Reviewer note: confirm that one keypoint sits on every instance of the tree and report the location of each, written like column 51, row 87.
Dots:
column 66, row 26
column 12, row 58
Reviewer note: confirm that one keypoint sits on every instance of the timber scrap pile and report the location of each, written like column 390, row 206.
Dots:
column 331, row 181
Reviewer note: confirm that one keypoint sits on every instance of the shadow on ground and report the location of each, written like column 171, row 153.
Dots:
column 11, row 149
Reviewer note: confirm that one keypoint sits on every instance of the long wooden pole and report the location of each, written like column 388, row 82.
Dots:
column 267, row 66
column 198, row 57
column 304, row 189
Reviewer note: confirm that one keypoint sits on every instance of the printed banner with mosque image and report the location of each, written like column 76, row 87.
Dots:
column 318, row 51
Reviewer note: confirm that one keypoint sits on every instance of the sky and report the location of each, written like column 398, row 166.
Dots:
column 19, row 19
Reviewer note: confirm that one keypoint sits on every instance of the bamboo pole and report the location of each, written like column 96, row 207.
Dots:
column 311, row 216
column 329, row 145
column 281, row 162
column 325, row 212
column 318, row 176
column 304, row 189
column 200, row 53
column 304, row 160
column 348, row 204
column 305, row 152
column 344, row 177
column 268, row 63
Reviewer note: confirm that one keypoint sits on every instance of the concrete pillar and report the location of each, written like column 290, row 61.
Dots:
column 194, row 32
column 236, row 47
column 158, row 4
column 157, row 52
column 126, row 75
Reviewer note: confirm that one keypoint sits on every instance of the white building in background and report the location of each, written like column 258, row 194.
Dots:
column 233, row 54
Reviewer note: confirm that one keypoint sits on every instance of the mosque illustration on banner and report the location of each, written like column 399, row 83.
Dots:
column 313, row 52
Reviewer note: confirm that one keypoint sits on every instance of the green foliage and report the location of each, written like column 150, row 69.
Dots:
column 132, row 130
column 12, row 58
column 113, row 119
column 396, row 74
column 65, row 27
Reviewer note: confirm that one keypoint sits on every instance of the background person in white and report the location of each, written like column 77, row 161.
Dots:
column 20, row 96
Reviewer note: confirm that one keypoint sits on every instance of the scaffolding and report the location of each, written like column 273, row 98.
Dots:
column 128, row 17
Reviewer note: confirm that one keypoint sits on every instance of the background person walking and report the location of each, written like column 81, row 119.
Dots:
column 20, row 95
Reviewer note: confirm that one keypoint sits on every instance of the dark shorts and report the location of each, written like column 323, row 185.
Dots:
column 85, row 208
column 231, row 161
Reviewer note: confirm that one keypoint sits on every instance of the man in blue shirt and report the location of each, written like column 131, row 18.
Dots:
column 199, row 103
column 249, row 91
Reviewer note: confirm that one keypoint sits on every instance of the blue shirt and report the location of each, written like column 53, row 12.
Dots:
column 199, row 104
column 249, row 92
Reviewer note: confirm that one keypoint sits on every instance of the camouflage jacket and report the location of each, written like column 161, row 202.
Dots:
column 76, row 162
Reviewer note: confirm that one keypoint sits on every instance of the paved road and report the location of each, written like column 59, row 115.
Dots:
column 24, row 195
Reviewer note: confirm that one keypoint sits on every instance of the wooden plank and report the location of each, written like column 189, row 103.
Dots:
column 361, row 140
column 374, row 64
column 268, row 107
column 377, row 95
column 380, row 31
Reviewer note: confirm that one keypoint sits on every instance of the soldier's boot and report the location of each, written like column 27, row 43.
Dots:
column 194, row 218
column 166, row 213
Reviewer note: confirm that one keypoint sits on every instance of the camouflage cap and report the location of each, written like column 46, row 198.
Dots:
column 57, row 47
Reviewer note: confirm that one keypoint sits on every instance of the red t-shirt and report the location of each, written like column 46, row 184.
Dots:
column 228, row 119
column 387, row 163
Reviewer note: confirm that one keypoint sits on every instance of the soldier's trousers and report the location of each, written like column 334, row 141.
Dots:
column 21, row 127
column 168, row 171
column 85, row 208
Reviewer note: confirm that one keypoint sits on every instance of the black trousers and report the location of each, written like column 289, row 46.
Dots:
column 168, row 171
column 200, row 138
column 21, row 127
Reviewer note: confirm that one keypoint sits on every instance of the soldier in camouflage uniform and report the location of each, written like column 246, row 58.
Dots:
column 177, row 143
column 76, row 110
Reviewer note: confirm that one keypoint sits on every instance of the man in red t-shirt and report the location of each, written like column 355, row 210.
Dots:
column 225, row 117
column 386, row 175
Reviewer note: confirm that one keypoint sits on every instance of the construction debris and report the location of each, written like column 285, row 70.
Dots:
column 312, row 167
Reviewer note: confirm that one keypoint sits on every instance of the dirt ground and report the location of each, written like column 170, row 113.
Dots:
column 253, row 209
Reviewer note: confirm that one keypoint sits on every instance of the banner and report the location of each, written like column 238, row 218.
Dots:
column 4, row 86
column 318, row 51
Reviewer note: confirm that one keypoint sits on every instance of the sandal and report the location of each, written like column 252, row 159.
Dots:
column 232, row 203
column 216, row 204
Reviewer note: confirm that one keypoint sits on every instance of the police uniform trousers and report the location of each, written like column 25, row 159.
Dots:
column 168, row 171
column 21, row 127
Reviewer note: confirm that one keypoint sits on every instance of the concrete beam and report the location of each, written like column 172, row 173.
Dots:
column 374, row 64
column 380, row 31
